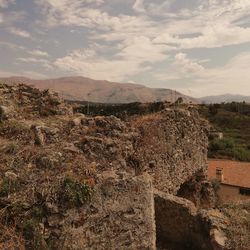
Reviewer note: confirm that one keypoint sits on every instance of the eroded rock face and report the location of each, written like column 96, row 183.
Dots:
column 198, row 190
column 26, row 101
column 120, row 216
column 172, row 147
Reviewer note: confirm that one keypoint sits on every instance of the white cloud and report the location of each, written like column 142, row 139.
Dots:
column 187, row 65
column 136, row 42
column 231, row 78
column 19, row 32
column 45, row 63
column 12, row 46
column 214, row 20
column 182, row 67
column 39, row 53
column 138, row 6
column 212, row 36
column 128, row 62
column 142, row 50
column 77, row 13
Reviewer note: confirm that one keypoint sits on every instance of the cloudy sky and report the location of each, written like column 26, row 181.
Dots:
column 199, row 47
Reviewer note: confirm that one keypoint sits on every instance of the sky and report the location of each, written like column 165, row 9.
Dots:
column 197, row 47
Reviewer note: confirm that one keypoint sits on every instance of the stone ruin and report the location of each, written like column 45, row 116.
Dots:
column 138, row 209
column 148, row 174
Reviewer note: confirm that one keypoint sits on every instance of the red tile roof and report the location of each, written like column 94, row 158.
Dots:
column 235, row 173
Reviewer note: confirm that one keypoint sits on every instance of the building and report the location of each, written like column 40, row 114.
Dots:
column 234, row 178
column 214, row 134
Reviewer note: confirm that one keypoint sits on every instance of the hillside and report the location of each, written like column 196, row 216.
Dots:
column 85, row 89
column 233, row 120
column 224, row 98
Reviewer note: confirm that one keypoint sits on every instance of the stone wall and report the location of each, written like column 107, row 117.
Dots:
column 172, row 147
column 180, row 225
column 120, row 216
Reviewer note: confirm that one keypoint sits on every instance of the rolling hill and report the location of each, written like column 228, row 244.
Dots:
column 85, row 89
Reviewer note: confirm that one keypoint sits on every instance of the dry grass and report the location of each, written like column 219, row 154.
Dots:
column 10, row 239
column 140, row 120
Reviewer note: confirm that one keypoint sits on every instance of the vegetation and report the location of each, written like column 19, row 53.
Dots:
column 75, row 193
column 119, row 110
column 233, row 120
column 7, row 186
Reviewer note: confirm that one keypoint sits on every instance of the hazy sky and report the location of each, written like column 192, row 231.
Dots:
column 199, row 47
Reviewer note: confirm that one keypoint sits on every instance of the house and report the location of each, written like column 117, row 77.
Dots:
column 234, row 179
column 214, row 134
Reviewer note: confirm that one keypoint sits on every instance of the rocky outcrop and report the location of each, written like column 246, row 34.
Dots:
column 24, row 101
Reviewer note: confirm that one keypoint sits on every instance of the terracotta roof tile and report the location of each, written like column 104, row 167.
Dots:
column 235, row 173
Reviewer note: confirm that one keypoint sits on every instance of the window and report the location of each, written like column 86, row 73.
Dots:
column 245, row 191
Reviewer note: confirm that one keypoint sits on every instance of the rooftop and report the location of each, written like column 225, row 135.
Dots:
column 234, row 173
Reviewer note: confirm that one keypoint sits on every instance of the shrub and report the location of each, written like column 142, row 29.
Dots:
column 8, row 186
column 223, row 144
column 34, row 239
column 74, row 192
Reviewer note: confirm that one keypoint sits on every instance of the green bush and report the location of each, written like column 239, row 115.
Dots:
column 228, row 147
column 34, row 239
column 223, row 144
column 75, row 193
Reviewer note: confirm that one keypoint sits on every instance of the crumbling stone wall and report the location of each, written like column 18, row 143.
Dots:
column 23, row 101
column 172, row 147
column 180, row 225
column 120, row 216
column 198, row 190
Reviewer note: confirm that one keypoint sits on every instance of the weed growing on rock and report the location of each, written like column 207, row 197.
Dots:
column 32, row 234
column 7, row 186
column 75, row 193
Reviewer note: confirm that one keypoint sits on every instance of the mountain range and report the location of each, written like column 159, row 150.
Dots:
column 77, row 88
column 86, row 89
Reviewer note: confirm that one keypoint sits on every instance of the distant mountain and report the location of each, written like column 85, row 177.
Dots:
column 224, row 98
column 85, row 89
